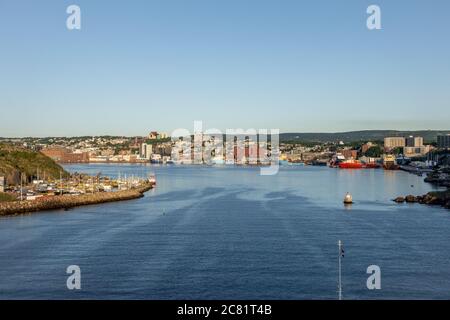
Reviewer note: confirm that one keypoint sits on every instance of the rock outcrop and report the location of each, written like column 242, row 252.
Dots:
column 399, row 199
column 440, row 198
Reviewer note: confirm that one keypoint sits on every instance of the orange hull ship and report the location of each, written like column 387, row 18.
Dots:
column 351, row 164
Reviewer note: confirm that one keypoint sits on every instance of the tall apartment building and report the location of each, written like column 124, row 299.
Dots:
column 414, row 141
column 394, row 142
column 146, row 151
column 443, row 141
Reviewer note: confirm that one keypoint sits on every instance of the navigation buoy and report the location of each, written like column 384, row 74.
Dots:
column 348, row 199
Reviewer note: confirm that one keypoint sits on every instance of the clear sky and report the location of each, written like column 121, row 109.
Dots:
column 299, row 66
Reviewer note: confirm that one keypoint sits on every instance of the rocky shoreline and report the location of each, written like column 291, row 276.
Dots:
column 438, row 198
column 439, row 177
column 68, row 201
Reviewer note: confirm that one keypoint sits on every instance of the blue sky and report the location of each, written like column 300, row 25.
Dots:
column 299, row 66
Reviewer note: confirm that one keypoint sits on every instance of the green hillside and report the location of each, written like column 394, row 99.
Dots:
column 366, row 135
column 16, row 160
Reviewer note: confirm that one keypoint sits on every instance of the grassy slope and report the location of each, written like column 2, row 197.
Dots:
column 14, row 160
column 6, row 197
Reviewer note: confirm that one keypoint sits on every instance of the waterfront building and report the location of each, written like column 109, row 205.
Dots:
column 394, row 142
column 367, row 146
column 443, row 141
column 146, row 151
column 99, row 159
column 65, row 155
column 416, row 151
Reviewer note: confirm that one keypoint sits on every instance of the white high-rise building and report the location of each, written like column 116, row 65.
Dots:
column 146, row 151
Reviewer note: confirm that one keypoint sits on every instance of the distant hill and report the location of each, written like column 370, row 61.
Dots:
column 366, row 135
column 14, row 160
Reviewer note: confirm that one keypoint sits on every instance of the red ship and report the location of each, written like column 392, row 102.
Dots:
column 351, row 164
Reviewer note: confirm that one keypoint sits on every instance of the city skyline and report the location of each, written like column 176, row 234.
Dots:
column 299, row 67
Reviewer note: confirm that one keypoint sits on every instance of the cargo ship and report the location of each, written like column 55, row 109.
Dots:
column 351, row 164
column 390, row 163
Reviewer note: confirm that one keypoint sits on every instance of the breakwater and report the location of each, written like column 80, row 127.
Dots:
column 67, row 201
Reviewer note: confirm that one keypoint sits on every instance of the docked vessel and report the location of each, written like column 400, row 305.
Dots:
column 390, row 163
column 319, row 163
column 156, row 159
column 336, row 160
column 372, row 165
column 351, row 164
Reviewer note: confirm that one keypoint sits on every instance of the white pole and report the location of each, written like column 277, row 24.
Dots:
column 340, row 278
column 21, row 187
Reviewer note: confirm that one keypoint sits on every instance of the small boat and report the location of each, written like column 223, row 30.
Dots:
column 348, row 199
column 152, row 179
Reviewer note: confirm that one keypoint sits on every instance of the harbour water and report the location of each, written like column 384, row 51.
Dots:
column 230, row 233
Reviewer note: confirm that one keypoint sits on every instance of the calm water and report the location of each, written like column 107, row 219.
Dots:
column 229, row 233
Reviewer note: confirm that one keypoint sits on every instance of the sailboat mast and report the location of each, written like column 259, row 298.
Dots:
column 340, row 270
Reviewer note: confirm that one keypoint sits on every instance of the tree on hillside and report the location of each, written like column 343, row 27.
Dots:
column 374, row 152
column 398, row 150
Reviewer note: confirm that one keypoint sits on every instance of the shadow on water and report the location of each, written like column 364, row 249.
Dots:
column 184, row 194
